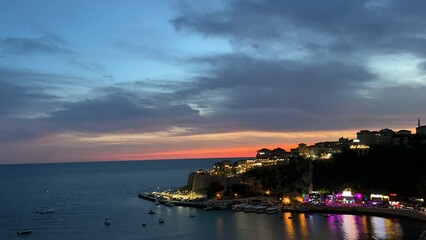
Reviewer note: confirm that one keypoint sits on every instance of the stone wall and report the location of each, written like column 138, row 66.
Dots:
column 199, row 182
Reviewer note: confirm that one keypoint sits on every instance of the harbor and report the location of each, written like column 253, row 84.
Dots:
column 272, row 206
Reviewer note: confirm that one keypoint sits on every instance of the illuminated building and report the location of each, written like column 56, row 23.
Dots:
column 263, row 153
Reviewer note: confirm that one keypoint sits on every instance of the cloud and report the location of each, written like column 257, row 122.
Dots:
column 120, row 110
column 332, row 26
column 302, row 65
column 48, row 44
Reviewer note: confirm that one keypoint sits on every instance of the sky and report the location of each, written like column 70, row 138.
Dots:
column 106, row 80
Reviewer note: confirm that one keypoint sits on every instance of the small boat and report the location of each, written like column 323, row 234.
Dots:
column 238, row 207
column 192, row 215
column 260, row 209
column 143, row 224
column 169, row 204
column 46, row 210
column 107, row 222
column 160, row 220
column 24, row 232
column 249, row 208
column 151, row 212
column 271, row 210
column 423, row 236
column 157, row 202
column 208, row 208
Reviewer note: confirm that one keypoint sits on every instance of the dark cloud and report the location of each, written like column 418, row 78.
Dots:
column 296, row 66
column 304, row 64
column 19, row 97
column 121, row 111
column 24, row 46
column 331, row 25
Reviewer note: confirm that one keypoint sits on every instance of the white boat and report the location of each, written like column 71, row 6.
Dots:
column 238, row 207
column 107, row 222
column 46, row 210
column 208, row 208
column 260, row 209
column 271, row 210
column 24, row 232
column 249, row 208
column 160, row 220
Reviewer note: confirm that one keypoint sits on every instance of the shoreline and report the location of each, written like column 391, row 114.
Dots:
column 380, row 212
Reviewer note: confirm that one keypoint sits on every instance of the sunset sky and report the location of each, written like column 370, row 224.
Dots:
column 124, row 80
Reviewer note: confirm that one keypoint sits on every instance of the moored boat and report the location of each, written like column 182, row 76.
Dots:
column 160, row 220
column 208, row 208
column 24, row 232
column 271, row 210
column 260, row 209
column 249, row 208
column 46, row 210
column 423, row 236
column 238, row 207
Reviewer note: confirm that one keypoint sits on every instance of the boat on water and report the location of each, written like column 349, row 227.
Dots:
column 157, row 202
column 260, row 209
column 238, row 207
column 271, row 210
column 46, row 210
column 169, row 204
column 160, row 220
column 249, row 208
column 208, row 208
column 151, row 212
column 423, row 235
column 24, row 232
column 143, row 224
column 107, row 222
column 192, row 215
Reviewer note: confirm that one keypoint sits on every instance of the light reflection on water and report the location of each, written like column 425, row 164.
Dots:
column 296, row 226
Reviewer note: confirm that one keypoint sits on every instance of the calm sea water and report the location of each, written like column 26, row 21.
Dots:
column 83, row 194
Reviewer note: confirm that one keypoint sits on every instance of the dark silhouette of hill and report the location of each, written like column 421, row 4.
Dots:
column 398, row 170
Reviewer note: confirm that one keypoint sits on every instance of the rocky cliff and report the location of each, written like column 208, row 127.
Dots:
column 296, row 177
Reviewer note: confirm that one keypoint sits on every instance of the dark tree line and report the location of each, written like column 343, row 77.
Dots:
column 385, row 169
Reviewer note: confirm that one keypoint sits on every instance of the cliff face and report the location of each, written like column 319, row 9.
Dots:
column 200, row 182
column 296, row 177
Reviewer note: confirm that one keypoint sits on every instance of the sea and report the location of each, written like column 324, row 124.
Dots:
column 84, row 194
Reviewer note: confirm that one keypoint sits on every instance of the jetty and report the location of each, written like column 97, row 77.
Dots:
column 152, row 197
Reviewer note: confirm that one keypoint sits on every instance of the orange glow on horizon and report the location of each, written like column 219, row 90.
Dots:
column 185, row 154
